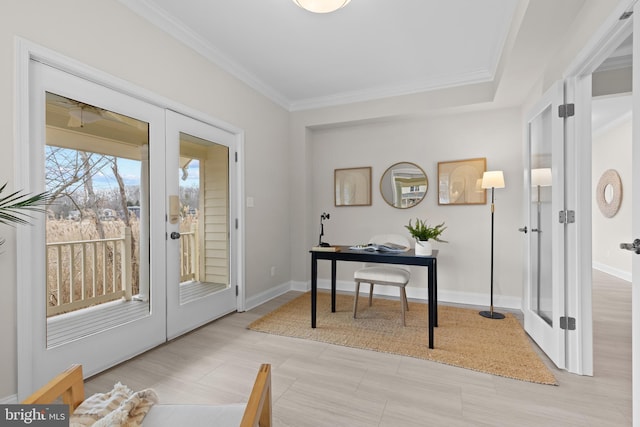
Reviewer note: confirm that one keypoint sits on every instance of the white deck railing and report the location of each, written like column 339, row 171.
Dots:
column 88, row 272
column 189, row 255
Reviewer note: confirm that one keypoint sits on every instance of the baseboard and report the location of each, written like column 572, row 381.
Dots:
column 453, row 297
column 444, row 296
column 261, row 298
column 9, row 400
column 616, row 272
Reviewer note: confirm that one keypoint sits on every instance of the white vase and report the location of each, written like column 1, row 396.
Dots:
column 424, row 247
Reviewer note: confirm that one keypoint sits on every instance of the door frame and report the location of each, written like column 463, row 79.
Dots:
column 25, row 52
column 577, row 77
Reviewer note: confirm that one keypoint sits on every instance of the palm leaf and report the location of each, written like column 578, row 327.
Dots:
column 15, row 207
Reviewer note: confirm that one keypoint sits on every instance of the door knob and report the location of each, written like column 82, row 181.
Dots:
column 523, row 229
column 635, row 246
column 175, row 235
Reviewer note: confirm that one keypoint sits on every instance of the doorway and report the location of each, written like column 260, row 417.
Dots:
column 108, row 144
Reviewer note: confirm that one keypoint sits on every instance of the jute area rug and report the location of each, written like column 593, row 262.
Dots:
column 463, row 338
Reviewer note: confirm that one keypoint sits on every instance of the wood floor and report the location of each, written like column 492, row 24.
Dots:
column 317, row 384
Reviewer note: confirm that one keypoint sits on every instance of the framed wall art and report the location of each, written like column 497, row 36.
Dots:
column 460, row 182
column 352, row 186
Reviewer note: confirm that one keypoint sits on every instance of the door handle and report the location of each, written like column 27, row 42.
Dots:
column 523, row 229
column 175, row 235
column 635, row 246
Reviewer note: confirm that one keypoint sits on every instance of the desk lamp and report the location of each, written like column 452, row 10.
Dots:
column 320, row 242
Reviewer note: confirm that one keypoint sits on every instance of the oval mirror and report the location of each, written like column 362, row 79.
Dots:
column 404, row 185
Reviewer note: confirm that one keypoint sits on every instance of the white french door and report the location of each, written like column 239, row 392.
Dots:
column 201, row 187
column 544, row 200
column 75, row 123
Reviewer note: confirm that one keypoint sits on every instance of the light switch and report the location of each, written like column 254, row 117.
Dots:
column 250, row 202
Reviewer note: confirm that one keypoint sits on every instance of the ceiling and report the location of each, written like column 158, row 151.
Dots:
column 370, row 49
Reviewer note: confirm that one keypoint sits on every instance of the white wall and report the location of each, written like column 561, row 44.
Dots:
column 108, row 36
column 612, row 150
column 464, row 262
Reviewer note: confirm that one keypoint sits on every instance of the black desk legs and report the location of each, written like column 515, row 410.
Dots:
column 431, row 295
column 435, row 291
column 314, row 289
column 333, row 285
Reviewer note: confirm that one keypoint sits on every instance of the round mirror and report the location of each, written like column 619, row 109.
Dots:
column 404, row 185
column 609, row 193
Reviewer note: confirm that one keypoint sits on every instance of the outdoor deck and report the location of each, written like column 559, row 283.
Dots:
column 67, row 327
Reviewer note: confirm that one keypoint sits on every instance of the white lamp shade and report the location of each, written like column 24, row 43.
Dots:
column 541, row 177
column 493, row 179
column 321, row 6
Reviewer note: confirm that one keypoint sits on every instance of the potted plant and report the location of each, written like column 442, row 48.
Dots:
column 424, row 234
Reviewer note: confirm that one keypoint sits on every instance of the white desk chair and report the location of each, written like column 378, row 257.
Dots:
column 384, row 274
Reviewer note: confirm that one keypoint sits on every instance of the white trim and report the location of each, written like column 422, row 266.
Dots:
column 603, row 42
column 420, row 294
column 613, row 124
column 21, row 160
column 9, row 400
column 160, row 18
column 444, row 297
column 178, row 30
column 444, row 82
column 268, row 295
column 615, row 272
column 25, row 51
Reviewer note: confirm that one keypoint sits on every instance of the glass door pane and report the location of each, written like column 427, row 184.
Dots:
column 204, row 217
column 541, row 301
column 201, row 284
column 96, row 166
column 544, row 198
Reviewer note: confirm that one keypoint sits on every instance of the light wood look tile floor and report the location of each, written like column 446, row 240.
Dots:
column 316, row 384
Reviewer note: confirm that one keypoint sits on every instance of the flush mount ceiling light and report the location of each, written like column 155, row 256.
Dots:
column 321, row 6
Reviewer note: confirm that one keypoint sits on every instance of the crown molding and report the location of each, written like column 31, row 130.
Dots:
column 160, row 18
column 177, row 29
column 479, row 76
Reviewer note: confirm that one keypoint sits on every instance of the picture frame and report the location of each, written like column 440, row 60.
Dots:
column 352, row 186
column 460, row 182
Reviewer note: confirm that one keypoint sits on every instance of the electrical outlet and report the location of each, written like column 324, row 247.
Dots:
column 273, row 271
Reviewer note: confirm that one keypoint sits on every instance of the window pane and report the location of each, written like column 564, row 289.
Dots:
column 97, row 169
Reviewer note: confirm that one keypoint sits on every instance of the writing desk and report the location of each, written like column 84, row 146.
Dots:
column 404, row 258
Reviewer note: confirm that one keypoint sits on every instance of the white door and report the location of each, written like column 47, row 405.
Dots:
column 80, row 299
column 635, row 226
column 544, row 298
column 201, row 188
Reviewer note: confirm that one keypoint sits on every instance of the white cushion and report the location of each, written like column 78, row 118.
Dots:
column 390, row 275
column 194, row 415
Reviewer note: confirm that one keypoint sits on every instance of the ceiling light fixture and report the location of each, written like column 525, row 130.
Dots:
column 321, row 6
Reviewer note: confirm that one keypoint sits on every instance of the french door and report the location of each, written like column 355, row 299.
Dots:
column 141, row 242
column 200, row 181
column 544, row 201
column 88, row 296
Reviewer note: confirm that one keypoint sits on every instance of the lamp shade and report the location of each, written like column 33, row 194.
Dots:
column 321, row 6
column 541, row 177
column 493, row 179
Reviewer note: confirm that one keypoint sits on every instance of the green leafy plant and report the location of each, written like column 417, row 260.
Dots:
column 422, row 231
column 16, row 207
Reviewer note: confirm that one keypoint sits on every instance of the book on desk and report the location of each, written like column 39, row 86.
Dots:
column 326, row 249
column 385, row 247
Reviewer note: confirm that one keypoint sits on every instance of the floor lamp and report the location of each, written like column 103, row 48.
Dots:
column 492, row 180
